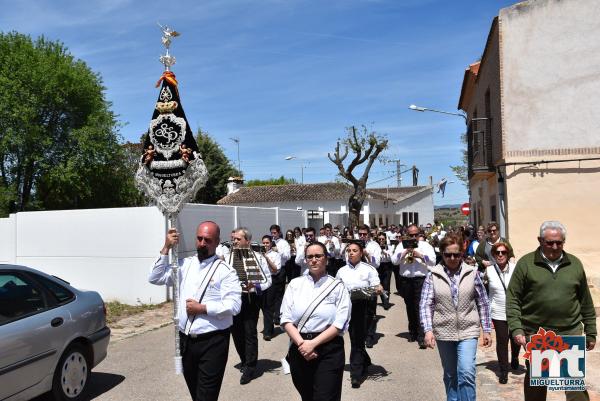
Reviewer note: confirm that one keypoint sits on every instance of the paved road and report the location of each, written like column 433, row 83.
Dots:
column 141, row 368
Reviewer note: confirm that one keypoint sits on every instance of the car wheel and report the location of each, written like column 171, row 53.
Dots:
column 72, row 374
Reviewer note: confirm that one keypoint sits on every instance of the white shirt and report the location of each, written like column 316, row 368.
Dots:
column 264, row 267
column 275, row 258
column 300, row 260
column 386, row 254
column 332, row 244
column 359, row 276
column 222, row 297
column 497, row 293
column 222, row 252
column 284, row 250
column 374, row 251
column 334, row 310
column 418, row 268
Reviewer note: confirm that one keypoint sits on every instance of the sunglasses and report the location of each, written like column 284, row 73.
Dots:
column 315, row 256
column 501, row 252
column 363, row 234
column 452, row 255
column 492, row 231
column 551, row 243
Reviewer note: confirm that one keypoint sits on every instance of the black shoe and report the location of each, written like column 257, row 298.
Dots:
column 247, row 376
column 413, row 338
column 355, row 382
column 422, row 345
column 369, row 342
column 503, row 378
column 266, row 337
column 387, row 306
column 514, row 364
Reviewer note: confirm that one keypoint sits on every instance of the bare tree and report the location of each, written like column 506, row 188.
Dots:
column 366, row 146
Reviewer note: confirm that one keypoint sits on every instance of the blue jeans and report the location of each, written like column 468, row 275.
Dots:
column 458, row 361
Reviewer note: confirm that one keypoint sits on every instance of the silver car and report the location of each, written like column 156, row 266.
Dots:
column 51, row 335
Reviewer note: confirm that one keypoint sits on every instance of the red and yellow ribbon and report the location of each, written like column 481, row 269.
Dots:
column 169, row 77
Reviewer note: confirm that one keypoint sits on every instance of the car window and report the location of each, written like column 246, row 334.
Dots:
column 62, row 294
column 19, row 297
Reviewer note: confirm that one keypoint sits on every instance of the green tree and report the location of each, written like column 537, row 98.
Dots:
column 271, row 181
column 366, row 146
column 219, row 169
column 59, row 141
column 461, row 170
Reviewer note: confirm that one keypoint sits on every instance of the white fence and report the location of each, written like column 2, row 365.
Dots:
column 111, row 250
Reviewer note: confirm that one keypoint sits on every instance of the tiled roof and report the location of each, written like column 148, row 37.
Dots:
column 293, row 193
column 401, row 193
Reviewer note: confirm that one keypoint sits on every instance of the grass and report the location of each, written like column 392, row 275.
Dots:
column 115, row 310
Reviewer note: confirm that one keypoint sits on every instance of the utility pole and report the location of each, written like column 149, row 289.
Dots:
column 237, row 141
column 398, row 171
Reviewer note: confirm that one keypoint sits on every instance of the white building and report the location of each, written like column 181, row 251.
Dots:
column 328, row 202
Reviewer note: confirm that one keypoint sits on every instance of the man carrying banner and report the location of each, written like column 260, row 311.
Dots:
column 210, row 295
column 549, row 289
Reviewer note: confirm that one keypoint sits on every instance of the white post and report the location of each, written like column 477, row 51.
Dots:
column 235, row 217
column 277, row 215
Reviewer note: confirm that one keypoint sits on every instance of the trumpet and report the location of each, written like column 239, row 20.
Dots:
column 366, row 293
column 409, row 257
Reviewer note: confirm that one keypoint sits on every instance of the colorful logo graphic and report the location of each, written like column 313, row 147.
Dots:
column 555, row 361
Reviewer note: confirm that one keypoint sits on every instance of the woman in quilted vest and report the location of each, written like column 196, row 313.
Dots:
column 454, row 308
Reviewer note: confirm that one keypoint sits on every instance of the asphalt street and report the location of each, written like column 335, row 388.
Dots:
column 141, row 368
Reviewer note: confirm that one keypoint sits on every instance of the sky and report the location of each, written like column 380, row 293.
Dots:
column 285, row 77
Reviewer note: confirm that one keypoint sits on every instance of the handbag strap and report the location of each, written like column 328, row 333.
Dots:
column 203, row 286
column 317, row 301
column 500, row 276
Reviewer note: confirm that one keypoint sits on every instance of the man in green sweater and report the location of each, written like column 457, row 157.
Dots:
column 549, row 289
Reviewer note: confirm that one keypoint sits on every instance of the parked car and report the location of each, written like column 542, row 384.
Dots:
column 51, row 335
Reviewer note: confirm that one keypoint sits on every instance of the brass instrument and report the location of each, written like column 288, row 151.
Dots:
column 367, row 293
column 409, row 257
column 247, row 267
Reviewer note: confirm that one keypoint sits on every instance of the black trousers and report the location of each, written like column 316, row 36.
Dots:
column 271, row 306
column 243, row 330
column 502, row 339
column 410, row 289
column 396, row 273
column 385, row 277
column 359, row 359
column 292, row 270
column 321, row 378
column 204, row 359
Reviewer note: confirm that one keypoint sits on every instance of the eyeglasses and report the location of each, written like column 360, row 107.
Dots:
column 315, row 256
column 363, row 234
column 501, row 252
column 492, row 230
column 413, row 235
column 552, row 243
column 452, row 255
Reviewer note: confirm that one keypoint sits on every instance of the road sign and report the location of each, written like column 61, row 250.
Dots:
column 465, row 209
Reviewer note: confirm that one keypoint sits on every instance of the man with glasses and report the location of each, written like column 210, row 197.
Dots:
column 549, row 289
column 373, row 255
column 309, row 235
column 413, row 264
column 483, row 254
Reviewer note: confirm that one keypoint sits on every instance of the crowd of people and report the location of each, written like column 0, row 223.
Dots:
column 458, row 284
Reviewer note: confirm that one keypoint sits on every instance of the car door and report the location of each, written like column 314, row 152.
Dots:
column 28, row 346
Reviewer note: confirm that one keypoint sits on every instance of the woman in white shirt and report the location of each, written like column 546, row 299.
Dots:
column 499, row 275
column 355, row 275
column 315, row 313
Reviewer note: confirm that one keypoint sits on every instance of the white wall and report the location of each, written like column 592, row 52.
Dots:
column 111, row 250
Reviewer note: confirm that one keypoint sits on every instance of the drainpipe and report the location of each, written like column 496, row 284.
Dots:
column 502, row 221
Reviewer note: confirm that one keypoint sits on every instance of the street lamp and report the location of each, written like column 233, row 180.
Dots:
column 301, row 166
column 422, row 109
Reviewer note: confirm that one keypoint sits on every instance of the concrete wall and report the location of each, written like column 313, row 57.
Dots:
column 550, row 76
column 111, row 250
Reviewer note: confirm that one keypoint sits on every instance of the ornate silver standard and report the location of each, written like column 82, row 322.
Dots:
column 171, row 170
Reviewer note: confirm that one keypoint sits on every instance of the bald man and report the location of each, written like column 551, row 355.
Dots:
column 209, row 297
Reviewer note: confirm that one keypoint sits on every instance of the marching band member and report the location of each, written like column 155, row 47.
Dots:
column 413, row 263
column 356, row 275
column 385, row 268
column 244, row 333
column 300, row 258
column 274, row 294
column 283, row 248
column 372, row 254
column 315, row 313
column 204, row 318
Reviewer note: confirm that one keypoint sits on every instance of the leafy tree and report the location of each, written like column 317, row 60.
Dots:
column 219, row 169
column 59, row 141
column 461, row 170
column 271, row 181
column 366, row 146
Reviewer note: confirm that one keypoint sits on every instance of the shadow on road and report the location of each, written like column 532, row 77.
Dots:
column 495, row 367
column 99, row 384
column 266, row 365
column 405, row 335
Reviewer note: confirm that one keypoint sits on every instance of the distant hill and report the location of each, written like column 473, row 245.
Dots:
column 454, row 206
